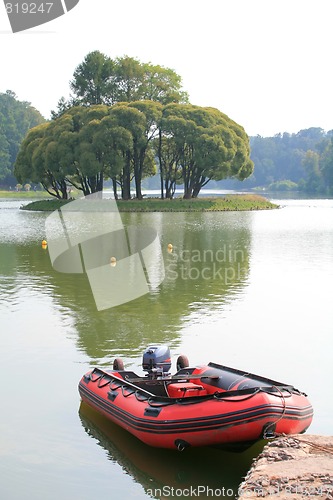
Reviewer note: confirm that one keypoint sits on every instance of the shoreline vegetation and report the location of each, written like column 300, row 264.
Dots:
column 229, row 202
column 23, row 195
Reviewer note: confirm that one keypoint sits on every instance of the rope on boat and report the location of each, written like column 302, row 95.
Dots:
column 272, row 425
column 220, row 396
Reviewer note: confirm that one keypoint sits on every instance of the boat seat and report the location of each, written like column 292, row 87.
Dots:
column 185, row 390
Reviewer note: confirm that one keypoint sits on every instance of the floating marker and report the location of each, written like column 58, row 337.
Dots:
column 113, row 262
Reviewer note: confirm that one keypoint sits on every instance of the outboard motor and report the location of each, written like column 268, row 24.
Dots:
column 157, row 361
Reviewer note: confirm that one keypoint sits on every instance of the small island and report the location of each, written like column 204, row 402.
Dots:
column 230, row 202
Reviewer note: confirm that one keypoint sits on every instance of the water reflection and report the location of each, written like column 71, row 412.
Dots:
column 156, row 469
column 274, row 318
column 208, row 265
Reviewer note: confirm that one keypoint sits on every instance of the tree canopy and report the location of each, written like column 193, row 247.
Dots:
column 86, row 145
column 124, row 121
column 102, row 80
column 199, row 144
column 16, row 118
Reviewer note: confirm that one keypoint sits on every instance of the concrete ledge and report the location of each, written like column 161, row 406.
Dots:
column 292, row 467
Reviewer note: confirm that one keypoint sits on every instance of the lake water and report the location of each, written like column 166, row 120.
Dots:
column 251, row 290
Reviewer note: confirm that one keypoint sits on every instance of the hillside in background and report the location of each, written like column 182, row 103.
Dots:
column 302, row 161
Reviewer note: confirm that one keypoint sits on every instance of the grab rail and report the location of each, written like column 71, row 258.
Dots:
column 218, row 395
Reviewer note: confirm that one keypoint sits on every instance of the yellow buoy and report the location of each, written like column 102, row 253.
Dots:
column 113, row 262
column 44, row 243
column 170, row 247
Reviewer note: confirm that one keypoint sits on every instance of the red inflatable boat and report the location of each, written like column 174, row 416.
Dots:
column 202, row 406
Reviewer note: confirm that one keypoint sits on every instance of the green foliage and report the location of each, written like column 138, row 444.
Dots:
column 285, row 185
column 313, row 181
column 200, row 144
column 228, row 203
column 121, row 116
column 33, row 193
column 45, row 205
column 326, row 166
column 40, row 161
column 303, row 158
column 16, row 118
column 102, row 80
column 162, row 85
column 86, row 145
column 91, row 82
column 80, row 148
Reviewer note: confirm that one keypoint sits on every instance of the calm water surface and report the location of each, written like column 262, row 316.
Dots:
column 251, row 290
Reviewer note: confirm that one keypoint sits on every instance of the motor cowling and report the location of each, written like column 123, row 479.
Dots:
column 156, row 358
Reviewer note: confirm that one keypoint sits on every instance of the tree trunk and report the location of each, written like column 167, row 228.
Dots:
column 199, row 185
column 170, row 187
column 100, row 181
column 139, row 159
column 63, row 189
column 126, row 191
column 187, row 185
column 114, row 186
column 160, row 162
column 137, row 179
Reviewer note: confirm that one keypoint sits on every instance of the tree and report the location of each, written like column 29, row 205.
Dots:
column 168, row 155
column 282, row 157
column 5, row 162
column 326, row 166
column 128, row 79
column 93, row 80
column 111, row 142
column 80, row 148
column 101, row 80
column 162, row 85
column 86, row 145
column 152, row 113
column 133, row 121
column 314, row 177
column 206, row 145
column 37, row 161
column 16, row 118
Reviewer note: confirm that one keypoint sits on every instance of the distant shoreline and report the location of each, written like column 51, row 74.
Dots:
column 229, row 202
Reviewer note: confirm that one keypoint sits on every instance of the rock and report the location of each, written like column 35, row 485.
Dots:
column 291, row 468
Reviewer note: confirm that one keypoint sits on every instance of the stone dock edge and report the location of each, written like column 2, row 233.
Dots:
column 291, row 467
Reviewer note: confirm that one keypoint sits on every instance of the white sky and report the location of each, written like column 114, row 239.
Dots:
column 265, row 63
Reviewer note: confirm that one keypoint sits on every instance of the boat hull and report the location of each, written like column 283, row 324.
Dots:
column 217, row 417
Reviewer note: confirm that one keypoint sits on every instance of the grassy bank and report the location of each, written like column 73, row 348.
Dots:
column 24, row 195
column 45, row 205
column 227, row 203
